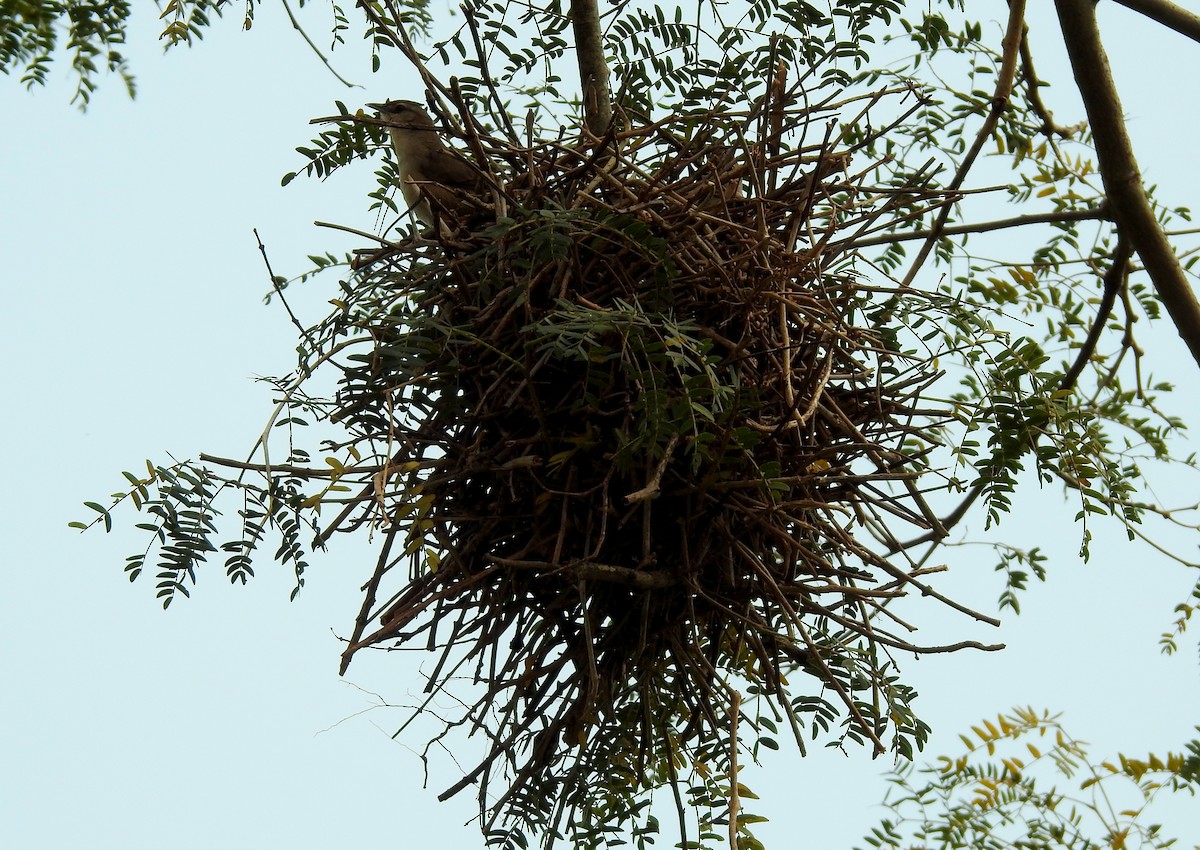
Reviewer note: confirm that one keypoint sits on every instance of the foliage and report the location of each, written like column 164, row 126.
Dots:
column 528, row 405
column 1024, row 782
column 180, row 502
column 90, row 32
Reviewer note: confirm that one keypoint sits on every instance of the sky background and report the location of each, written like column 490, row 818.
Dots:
column 133, row 327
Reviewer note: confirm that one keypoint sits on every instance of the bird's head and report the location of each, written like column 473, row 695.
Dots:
column 404, row 113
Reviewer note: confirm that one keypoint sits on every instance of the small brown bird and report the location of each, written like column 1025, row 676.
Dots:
column 439, row 186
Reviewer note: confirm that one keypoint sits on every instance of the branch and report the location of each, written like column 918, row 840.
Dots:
column 372, row 588
column 315, row 49
column 1168, row 14
column 486, row 73
column 1119, row 169
column 279, row 291
column 948, row 522
column 1000, row 99
column 1112, row 284
column 640, row 579
column 734, row 803
column 1032, row 84
column 306, row 472
column 1099, row 213
column 385, row 33
column 593, row 69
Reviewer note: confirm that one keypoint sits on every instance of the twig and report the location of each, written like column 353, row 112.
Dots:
column 296, row 25
column 1035, row 97
column 262, row 249
column 651, row 488
column 1102, row 212
column 1000, row 98
column 735, row 707
column 1113, row 280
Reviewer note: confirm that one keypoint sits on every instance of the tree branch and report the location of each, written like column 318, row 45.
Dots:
column 296, row 26
column 593, row 69
column 1168, row 14
column 1112, row 284
column 1005, row 76
column 1090, row 214
column 1119, row 170
column 1032, row 84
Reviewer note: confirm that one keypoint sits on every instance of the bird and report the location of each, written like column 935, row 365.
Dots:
column 439, row 186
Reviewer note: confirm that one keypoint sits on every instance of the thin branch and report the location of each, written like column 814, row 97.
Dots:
column 651, row 489
column 372, row 588
column 486, row 73
column 1112, row 285
column 1099, row 213
column 1113, row 279
column 1000, row 100
column 372, row 236
column 400, row 40
column 1032, row 85
column 734, row 803
column 948, row 522
column 308, row 472
column 279, row 291
column 640, row 579
column 315, row 49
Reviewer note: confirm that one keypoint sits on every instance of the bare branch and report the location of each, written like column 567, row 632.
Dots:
column 1089, row 214
column 1000, row 98
column 1168, row 14
column 593, row 69
column 324, row 60
column 1119, row 169
column 1112, row 284
column 1032, row 84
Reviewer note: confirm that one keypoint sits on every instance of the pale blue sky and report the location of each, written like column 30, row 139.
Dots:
column 133, row 326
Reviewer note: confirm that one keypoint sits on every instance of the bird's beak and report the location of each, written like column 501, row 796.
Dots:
column 375, row 106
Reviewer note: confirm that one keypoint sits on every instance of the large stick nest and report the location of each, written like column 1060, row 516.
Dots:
column 634, row 417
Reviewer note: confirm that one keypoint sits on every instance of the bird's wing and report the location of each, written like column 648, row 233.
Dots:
column 449, row 169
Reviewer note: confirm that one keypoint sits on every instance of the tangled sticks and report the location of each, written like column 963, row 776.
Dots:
column 641, row 442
